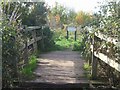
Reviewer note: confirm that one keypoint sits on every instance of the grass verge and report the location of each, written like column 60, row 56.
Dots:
column 27, row 71
column 87, row 69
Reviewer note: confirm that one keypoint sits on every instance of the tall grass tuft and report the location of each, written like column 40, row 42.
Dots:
column 27, row 71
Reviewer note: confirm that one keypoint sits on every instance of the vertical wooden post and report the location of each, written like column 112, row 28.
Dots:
column 43, row 47
column 67, row 34
column 75, row 35
column 94, row 63
column 35, row 40
column 26, row 47
column 26, row 52
column 89, row 61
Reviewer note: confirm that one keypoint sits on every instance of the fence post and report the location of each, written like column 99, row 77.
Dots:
column 75, row 35
column 42, row 41
column 67, row 34
column 35, row 40
column 26, row 48
column 94, row 62
column 26, row 52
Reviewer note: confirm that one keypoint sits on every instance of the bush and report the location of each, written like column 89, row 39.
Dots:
column 76, row 46
column 47, row 43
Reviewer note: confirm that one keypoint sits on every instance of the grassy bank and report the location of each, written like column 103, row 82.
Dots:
column 27, row 71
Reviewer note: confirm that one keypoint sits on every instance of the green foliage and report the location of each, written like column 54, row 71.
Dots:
column 109, row 26
column 107, row 23
column 27, row 71
column 10, row 29
column 87, row 69
column 83, row 18
column 61, row 43
column 31, row 13
column 84, row 45
column 60, row 10
column 47, row 43
column 77, row 46
column 13, row 16
column 66, row 15
column 37, row 15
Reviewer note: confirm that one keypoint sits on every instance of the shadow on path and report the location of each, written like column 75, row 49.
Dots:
column 60, row 67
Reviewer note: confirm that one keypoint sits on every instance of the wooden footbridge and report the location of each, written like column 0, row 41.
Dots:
column 63, row 69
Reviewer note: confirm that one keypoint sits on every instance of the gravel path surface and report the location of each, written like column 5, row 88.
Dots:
column 60, row 67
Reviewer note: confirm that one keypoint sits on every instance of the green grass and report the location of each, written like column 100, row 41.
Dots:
column 27, row 71
column 87, row 69
column 61, row 43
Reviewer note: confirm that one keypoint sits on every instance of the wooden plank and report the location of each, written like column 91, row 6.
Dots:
column 91, row 48
column 108, row 39
column 107, row 60
column 94, row 61
column 38, row 38
column 94, row 67
column 35, row 42
column 30, row 28
column 31, row 42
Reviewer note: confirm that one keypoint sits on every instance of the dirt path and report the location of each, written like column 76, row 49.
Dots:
column 60, row 67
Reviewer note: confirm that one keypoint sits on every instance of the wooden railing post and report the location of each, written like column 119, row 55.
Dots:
column 26, row 52
column 26, row 47
column 75, row 35
column 35, row 40
column 67, row 34
column 94, row 63
column 42, row 41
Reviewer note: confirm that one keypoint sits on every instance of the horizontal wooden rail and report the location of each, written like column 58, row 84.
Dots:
column 38, row 38
column 30, row 28
column 107, row 60
column 108, row 39
column 95, row 55
column 31, row 42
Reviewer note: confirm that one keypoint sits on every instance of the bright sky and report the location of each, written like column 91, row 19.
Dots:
column 77, row 5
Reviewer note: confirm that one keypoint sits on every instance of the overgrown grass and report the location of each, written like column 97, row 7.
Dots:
column 87, row 69
column 27, row 71
column 61, row 43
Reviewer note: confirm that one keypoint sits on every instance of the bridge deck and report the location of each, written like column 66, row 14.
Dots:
column 60, row 67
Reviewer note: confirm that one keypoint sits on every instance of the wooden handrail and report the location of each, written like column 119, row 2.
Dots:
column 28, row 41
column 107, row 60
column 102, row 56
column 30, row 28
column 108, row 39
column 95, row 55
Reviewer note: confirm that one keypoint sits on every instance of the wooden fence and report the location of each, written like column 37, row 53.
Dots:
column 30, row 44
column 95, row 55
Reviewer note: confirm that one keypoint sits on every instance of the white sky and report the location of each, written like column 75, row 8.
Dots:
column 77, row 5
